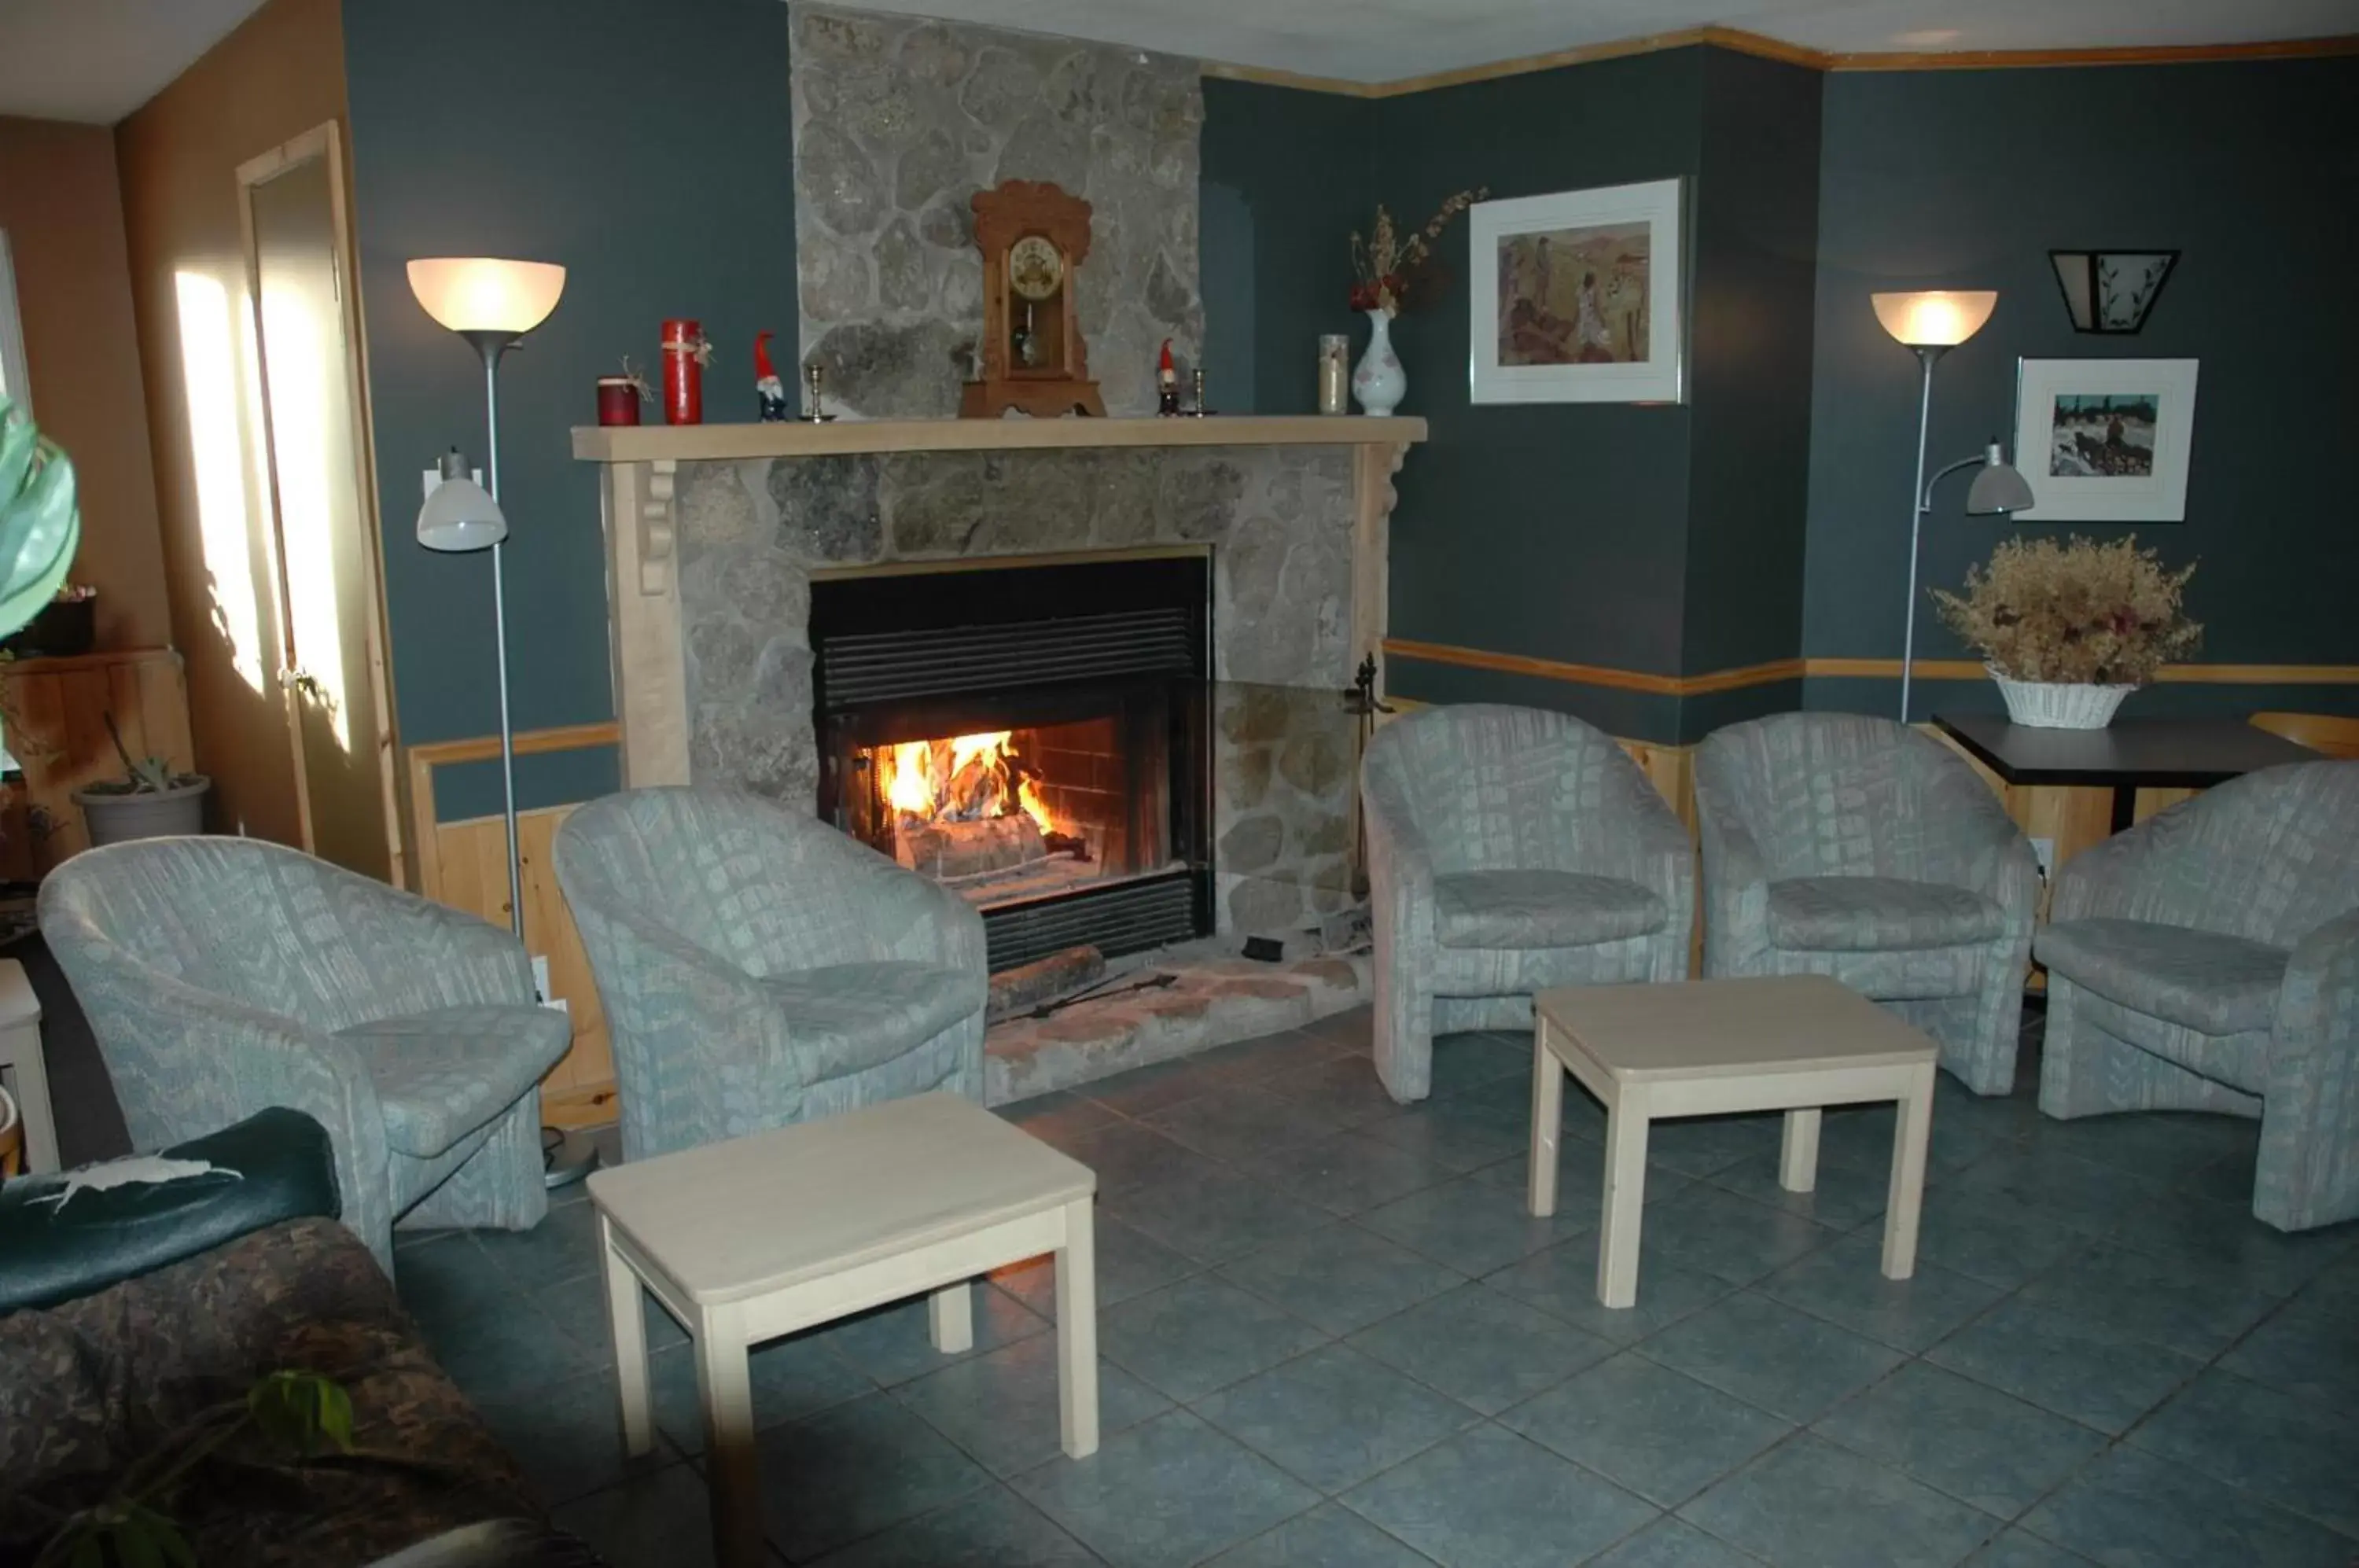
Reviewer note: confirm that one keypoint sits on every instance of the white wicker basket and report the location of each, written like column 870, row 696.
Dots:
column 2059, row 704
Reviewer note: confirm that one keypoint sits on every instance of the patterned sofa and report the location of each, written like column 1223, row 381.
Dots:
column 1510, row 850
column 131, row 1310
column 1838, row 844
column 2208, row 960
column 757, row 967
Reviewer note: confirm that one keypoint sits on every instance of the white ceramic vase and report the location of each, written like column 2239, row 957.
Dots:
column 1378, row 381
column 2059, row 704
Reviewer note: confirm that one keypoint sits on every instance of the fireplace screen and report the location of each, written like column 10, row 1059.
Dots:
column 1034, row 737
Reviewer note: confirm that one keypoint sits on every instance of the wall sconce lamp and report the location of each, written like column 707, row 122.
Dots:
column 2111, row 291
column 1932, row 324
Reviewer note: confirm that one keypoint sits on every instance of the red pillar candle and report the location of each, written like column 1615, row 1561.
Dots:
column 618, row 400
column 685, row 351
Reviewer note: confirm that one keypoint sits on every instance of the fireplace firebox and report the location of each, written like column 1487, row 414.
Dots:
column 1033, row 735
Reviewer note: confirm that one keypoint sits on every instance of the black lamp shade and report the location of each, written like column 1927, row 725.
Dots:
column 2111, row 290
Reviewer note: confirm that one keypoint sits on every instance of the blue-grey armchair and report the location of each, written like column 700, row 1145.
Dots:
column 2208, row 960
column 1838, row 844
column 1510, row 850
column 222, row 976
column 758, row 967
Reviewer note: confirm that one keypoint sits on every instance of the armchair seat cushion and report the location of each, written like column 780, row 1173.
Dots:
column 847, row 1016
column 1878, row 914
column 2208, row 981
column 441, row 1074
column 1540, row 909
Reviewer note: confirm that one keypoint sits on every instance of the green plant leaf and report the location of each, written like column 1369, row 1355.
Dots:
column 89, row 1551
column 41, row 523
column 297, row 1409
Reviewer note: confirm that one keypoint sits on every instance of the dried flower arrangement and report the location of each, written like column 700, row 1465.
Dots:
column 2076, row 613
column 1390, row 273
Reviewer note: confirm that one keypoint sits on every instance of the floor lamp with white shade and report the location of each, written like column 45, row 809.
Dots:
column 492, row 302
column 1931, row 323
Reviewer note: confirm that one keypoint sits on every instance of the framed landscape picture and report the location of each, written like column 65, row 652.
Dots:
column 2105, row 441
column 1576, row 296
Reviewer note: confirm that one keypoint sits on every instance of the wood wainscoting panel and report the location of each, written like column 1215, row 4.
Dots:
column 465, row 866
column 53, row 714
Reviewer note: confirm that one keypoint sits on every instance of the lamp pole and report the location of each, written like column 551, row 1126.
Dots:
column 1927, row 354
column 491, row 345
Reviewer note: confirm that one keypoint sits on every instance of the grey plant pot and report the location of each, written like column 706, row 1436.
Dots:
column 164, row 813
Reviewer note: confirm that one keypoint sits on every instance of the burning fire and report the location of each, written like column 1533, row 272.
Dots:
column 963, row 778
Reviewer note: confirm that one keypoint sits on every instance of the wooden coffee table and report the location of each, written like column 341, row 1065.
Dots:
column 759, row 1237
column 1794, row 1043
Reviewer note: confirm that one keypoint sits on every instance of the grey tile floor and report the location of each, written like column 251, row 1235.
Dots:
column 1333, row 1339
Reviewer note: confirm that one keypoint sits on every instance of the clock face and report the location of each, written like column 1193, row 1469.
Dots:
column 1035, row 268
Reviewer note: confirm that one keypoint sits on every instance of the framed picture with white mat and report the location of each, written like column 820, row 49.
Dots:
column 2105, row 441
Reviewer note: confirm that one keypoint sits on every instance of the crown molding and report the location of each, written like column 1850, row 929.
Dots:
column 1738, row 41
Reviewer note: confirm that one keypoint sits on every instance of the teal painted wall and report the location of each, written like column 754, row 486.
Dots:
column 1287, row 176
column 1967, row 180
column 1555, row 530
column 649, row 148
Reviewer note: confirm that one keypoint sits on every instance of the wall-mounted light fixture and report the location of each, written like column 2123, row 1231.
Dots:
column 2111, row 290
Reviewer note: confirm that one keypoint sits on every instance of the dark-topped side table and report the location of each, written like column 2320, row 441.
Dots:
column 2125, row 757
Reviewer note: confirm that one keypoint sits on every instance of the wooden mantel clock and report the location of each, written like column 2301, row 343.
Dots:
column 1034, row 239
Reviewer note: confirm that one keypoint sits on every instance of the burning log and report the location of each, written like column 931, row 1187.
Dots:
column 944, row 849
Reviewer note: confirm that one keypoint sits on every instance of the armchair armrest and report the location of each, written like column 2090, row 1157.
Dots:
column 656, row 985
column 1973, row 843
column 924, row 921
column 2122, row 877
column 1736, row 887
column 2318, row 1003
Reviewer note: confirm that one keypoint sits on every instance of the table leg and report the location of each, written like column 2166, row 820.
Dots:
column 1077, row 1330
column 1548, row 1121
column 1911, row 1134
column 626, row 1320
column 724, row 1379
column 1626, row 1198
column 1798, row 1155
column 950, row 1319
column 2124, row 806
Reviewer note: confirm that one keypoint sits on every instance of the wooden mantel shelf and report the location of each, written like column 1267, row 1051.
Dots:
column 729, row 443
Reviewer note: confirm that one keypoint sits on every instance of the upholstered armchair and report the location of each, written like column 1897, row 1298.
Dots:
column 222, row 976
column 1510, row 850
column 2208, row 960
column 758, row 967
column 1838, row 844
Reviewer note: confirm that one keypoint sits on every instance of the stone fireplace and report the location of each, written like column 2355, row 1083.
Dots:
column 752, row 567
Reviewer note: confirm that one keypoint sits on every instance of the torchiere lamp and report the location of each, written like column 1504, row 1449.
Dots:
column 1932, row 324
column 492, row 302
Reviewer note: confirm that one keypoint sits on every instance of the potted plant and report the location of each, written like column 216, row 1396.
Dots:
column 149, row 801
column 2068, row 630
column 1388, row 273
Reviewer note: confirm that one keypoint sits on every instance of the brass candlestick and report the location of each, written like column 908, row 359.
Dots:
column 1197, row 377
column 812, row 377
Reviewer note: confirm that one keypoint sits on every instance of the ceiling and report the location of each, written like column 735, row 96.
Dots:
column 97, row 60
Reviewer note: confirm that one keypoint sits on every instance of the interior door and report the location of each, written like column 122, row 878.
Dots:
column 332, row 668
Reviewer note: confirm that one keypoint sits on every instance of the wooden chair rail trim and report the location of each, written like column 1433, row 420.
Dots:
column 527, row 743
column 1743, row 42
column 1853, row 668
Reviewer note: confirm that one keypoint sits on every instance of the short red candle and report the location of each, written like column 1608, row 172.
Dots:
column 618, row 400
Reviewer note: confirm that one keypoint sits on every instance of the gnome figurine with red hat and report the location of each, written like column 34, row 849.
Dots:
column 768, row 387
column 1166, row 383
